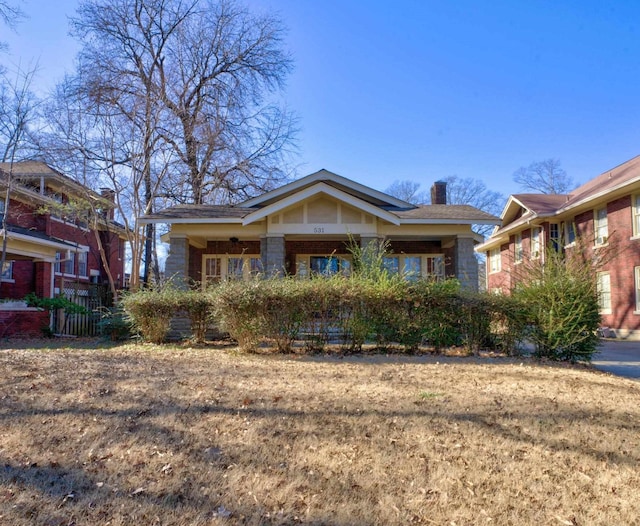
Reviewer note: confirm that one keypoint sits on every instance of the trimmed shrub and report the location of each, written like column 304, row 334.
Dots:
column 199, row 308
column 150, row 312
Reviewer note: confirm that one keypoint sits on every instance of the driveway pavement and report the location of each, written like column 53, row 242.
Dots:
column 621, row 358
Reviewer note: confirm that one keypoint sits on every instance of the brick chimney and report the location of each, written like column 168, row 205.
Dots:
column 439, row 193
column 109, row 195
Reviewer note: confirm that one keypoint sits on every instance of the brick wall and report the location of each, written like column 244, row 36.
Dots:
column 25, row 216
column 23, row 281
column 623, row 255
column 24, row 323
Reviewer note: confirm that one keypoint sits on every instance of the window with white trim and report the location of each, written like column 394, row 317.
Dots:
column 415, row 266
column 635, row 214
column 518, row 253
column 82, row 264
column 600, row 226
column 495, row 260
column 569, row 232
column 7, row 271
column 216, row 268
column 554, row 236
column 70, row 264
column 636, row 272
column 60, row 256
column 321, row 265
column 535, row 242
column 603, row 287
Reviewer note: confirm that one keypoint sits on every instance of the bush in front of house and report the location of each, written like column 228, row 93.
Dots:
column 151, row 310
column 561, row 302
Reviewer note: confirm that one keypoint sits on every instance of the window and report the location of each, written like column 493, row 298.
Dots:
column 2, row 209
column 635, row 214
column 82, row 263
column 494, row 260
column 413, row 266
column 569, row 232
column 60, row 256
column 636, row 271
column 70, row 263
column 603, row 286
column 216, row 268
column 329, row 265
column 554, row 236
column 518, row 248
column 535, row 242
column 7, row 271
column 601, row 228
column 212, row 270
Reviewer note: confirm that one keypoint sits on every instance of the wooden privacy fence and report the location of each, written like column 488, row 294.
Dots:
column 92, row 299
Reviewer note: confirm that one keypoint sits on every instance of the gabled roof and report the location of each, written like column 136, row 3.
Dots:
column 458, row 214
column 320, row 187
column 199, row 214
column 358, row 190
column 25, row 170
column 378, row 204
column 621, row 176
column 532, row 207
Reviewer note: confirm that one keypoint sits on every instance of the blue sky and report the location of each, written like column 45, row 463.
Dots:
column 422, row 89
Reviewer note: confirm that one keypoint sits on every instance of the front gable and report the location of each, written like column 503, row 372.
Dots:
column 320, row 208
column 360, row 191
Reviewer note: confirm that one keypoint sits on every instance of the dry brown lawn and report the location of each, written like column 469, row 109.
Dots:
column 141, row 435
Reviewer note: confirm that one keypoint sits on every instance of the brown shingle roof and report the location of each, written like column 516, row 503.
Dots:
column 200, row 212
column 464, row 213
column 621, row 174
column 542, row 204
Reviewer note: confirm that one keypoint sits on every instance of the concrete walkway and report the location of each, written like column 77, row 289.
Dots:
column 621, row 358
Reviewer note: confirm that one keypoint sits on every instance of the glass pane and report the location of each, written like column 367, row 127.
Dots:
column 256, row 266
column 391, row 264
column 301, row 268
column 212, row 270
column 7, row 270
column 234, row 268
column 412, row 267
column 345, row 267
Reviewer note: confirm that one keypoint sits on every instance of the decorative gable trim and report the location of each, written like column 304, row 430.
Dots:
column 326, row 175
column 319, row 188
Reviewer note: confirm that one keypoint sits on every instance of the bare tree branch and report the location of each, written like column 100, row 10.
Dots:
column 546, row 177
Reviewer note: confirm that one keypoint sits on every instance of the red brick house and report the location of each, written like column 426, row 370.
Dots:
column 303, row 228
column 600, row 218
column 47, row 251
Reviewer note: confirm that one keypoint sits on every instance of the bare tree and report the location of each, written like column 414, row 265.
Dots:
column 102, row 147
column 469, row 191
column 546, row 177
column 10, row 15
column 191, row 77
column 17, row 111
column 408, row 191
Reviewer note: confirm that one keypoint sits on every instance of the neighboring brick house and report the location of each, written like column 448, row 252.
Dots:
column 600, row 218
column 303, row 228
column 46, row 253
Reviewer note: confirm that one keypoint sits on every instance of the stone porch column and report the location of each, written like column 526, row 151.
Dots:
column 466, row 264
column 272, row 252
column 177, row 265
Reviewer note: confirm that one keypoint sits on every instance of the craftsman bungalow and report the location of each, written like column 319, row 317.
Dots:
column 600, row 218
column 303, row 228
